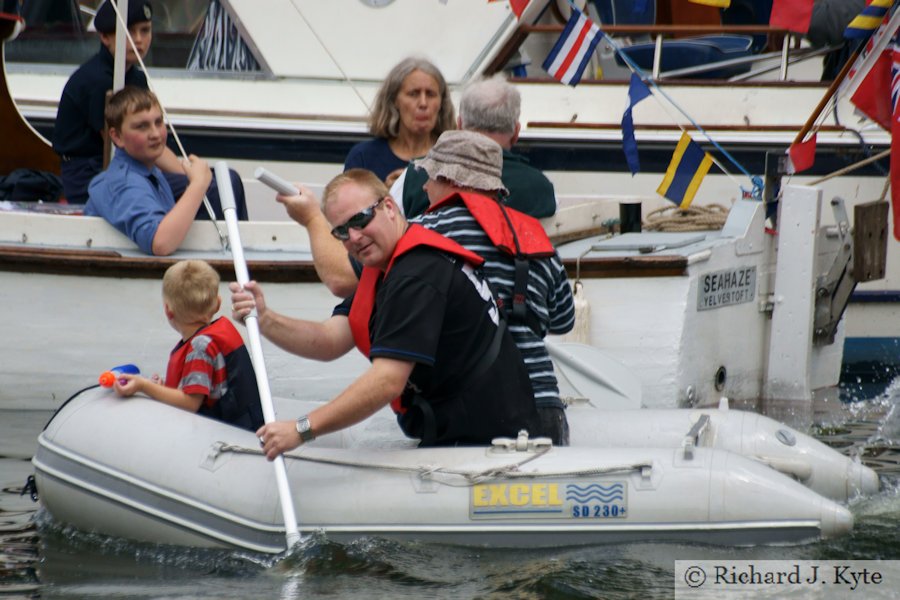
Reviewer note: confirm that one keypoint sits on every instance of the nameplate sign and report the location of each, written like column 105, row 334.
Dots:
column 726, row 288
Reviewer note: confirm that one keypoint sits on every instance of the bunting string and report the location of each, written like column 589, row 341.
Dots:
column 755, row 180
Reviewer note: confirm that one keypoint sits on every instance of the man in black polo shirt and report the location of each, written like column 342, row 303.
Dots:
column 423, row 315
column 77, row 134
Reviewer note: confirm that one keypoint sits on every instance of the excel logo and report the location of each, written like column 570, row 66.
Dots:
column 515, row 500
column 576, row 499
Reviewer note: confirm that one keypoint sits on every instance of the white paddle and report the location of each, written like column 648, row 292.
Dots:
column 226, row 195
column 275, row 182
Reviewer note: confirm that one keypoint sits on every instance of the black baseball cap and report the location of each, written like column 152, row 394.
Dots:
column 138, row 12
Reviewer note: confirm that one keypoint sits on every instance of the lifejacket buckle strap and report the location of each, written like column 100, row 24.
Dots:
column 429, row 424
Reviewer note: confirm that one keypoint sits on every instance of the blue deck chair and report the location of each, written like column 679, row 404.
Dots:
column 678, row 53
column 693, row 52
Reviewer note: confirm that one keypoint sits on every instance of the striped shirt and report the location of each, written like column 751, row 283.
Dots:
column 549, row 295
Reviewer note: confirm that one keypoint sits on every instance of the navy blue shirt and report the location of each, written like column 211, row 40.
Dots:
column 80, row 118
column 375, row 155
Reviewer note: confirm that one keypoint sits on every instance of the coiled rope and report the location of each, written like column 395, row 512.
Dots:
column 693, row 218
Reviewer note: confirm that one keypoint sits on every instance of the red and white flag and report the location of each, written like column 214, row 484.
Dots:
column 871, row 53
column 877, row 97
column 570, row 55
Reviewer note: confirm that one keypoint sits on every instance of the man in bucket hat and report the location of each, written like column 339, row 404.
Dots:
column 465, row 191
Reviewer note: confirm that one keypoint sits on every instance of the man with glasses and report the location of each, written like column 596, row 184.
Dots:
column 423, row 315
column 464, row 173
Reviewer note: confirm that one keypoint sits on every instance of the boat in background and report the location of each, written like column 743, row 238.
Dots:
column 696, row 316
column 194, row 481
column 306, row 104
column 308, row 101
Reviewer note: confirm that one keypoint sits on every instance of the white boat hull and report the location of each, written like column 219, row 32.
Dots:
column 648, row 318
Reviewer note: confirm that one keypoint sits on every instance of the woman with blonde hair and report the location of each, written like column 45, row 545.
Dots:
column 412, row 109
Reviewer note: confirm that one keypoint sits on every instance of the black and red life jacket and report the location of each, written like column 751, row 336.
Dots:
column 364, row 299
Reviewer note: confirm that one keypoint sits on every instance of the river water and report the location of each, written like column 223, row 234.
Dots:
column 39, row 559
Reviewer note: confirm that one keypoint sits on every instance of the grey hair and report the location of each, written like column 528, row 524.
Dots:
column 384, row 120
column 490, row 105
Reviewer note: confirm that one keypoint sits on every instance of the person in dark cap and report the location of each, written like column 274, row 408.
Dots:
column 138, row 12
column 77, row 133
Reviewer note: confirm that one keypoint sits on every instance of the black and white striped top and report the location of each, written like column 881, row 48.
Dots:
column 549, row 294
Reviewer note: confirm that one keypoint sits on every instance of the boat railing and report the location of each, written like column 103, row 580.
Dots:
column 796, row 57
column 791, row 49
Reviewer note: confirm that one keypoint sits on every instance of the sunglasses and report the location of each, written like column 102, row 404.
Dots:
column 358, row 221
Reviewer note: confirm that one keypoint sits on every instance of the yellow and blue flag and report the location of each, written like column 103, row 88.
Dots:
column 868, row 20
column 686, row 171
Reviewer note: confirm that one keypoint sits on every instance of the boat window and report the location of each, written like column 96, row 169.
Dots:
column 185, row 32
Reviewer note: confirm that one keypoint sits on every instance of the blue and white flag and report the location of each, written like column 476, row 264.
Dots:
column 570, row 55
column 637, row 91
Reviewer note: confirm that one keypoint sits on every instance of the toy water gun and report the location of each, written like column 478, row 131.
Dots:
column 108, row 378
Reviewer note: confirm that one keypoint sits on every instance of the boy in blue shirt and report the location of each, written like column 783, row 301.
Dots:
column 132, row 194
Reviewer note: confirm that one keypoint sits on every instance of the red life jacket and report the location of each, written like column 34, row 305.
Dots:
column 364, row 299
column 512, row 231
column 515, row 233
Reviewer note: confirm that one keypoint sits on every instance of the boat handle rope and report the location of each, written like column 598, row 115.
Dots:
column 511, row 470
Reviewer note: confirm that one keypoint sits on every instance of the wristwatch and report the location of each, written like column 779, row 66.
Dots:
column 305, row 429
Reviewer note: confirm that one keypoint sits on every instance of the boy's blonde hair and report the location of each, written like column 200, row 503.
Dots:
column 191, row 289
column 127, row 101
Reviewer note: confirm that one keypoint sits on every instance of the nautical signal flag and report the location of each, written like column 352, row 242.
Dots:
column 686, row 171
column 793, row 15
column 802, row 155
column 570, row 55
column 876, row 48
column 873, row 96
column 877, row 97
column 868, row 20
column 637, row 91
column 517, row 6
